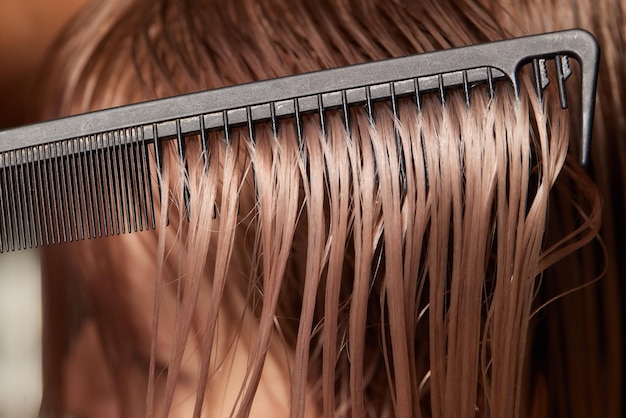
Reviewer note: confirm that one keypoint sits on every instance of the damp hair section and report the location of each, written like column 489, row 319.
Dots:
column 385, row 259
column 345, row 236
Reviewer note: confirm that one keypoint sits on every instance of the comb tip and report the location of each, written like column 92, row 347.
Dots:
column 589, row 61
column 583, row 159
column 585, row 138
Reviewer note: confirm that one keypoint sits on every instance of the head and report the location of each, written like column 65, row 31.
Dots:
column 310, row 279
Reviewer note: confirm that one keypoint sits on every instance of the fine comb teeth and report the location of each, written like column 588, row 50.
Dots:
column 89, row 175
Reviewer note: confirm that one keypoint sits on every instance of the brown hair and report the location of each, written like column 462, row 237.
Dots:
column 595, row 309
column 385, row 268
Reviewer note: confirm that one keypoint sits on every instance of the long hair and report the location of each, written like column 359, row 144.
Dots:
column 391, row 265
column 596, row 309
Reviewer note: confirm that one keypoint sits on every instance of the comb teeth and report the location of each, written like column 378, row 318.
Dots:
column 73, row 190
column 89, row 175
column 563, row 71
column 541, row 76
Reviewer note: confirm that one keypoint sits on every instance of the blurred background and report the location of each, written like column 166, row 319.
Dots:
column 27, row 29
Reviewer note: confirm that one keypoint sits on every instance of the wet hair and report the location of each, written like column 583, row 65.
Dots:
column 393, row 267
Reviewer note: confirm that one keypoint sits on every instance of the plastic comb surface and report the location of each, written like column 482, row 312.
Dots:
column 56, row 177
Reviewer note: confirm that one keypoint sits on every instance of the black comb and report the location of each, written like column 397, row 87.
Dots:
column 89, row 175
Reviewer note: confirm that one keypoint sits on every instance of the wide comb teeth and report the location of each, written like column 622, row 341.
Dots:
column 541, row 76
column 90, row 175
column 563, row 71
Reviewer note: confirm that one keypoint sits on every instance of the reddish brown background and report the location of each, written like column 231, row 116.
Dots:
column 27, row 28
